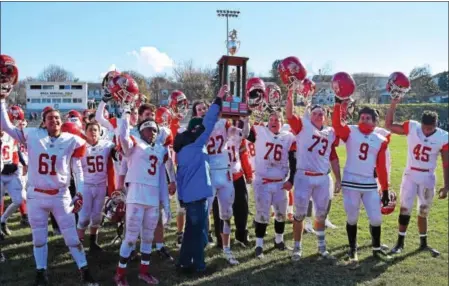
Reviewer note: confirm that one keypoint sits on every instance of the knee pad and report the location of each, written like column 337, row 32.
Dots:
column 375, row 221
column 261, row 228
column 299, row 217
column 39, row 237
column 279, row 227
column 82, row 223
column 423, row 211
column 95, row 220
column 70, row 237
column 405, row 211
column 404, row 219
column 320, row 217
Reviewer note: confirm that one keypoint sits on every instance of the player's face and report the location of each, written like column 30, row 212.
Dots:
column 366, row 118
column 147, row 114
column 93, row 133
column 428, row 130
column 274, row 124
column 318, row 117
column 22, row 124
column 53, row 121
column 134, row 117
column 149, row 135
column 201, row 109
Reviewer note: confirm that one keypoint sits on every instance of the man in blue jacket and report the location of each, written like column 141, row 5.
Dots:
column 194, row 186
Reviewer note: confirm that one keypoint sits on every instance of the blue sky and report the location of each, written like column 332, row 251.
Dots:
column 90, row 38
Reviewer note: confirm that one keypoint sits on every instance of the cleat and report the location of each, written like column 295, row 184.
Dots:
column 296, row 254
column 433, row 252
column 179, row 239
column 5, row 229
column 259, row 252
column 120, row 280
column 280, row 246
column 397, row 249
column 230, row 258
column 165, row 254
column 41, row 278
column 243, row 244
column 210, row 239
column 327, row 256
column 380, row 254
column 147, row 278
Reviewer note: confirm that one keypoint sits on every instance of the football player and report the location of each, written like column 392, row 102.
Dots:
column 98, row 177
column 274, row 161
column 315, row 144
column 52, row 155
column 145, row 177
column 424, row 142
column 365, row 151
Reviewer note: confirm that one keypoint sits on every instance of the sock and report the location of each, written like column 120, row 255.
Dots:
column 40, row 256
column 423, row 239
column 320, row 235
column 401, row 238
column 159, row 245
column 2, row 206
column 259, row 242
column 351, row 231
column 144, row 266
column 298, row 244
column 78, row 255
column 375, row 236
column 121, row 269
column 279, row 237
column 23, row 208
column 226, row 249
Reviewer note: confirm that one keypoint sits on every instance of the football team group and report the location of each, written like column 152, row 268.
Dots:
column 85, row 167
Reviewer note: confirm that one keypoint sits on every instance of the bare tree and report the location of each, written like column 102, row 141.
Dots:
column 18, row 94
column 368, row 86
column 157, row 84
column 421, row 81
column 56, row 73
column 196, row 83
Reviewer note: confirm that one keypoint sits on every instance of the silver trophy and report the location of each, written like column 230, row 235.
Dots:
column 233, row 43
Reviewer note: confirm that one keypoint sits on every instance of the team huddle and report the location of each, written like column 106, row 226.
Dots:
column 87, row 167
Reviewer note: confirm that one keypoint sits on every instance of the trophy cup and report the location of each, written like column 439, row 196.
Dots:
column 233, row 45
column 234, row 106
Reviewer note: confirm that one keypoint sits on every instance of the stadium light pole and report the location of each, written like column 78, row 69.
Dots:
column 227, row 14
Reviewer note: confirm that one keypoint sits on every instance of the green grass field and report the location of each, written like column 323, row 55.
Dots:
column 409, row 268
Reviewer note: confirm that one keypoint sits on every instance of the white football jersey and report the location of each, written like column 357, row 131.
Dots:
column 95, row 162
column 382, row 131
column 234, row 144
column 9, row 146
column 272, row 153
column 145, row 163
column 423, row 151
column 313, row 147
column 362, row 151
column 217, row 147
column 251, row 153
column 49, row 166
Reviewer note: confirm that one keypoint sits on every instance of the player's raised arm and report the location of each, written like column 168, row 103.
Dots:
column 396, row 128
column 294, row 121
column 99, row 114
column 342, row 130
column 125, row 139
column 7, row 126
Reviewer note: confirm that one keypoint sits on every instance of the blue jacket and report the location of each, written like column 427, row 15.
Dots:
column 192, row 177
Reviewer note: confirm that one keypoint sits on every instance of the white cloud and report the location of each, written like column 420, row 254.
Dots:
column 153, row 57
column 112, row 67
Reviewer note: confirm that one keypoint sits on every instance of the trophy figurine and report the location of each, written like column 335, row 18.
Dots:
column 233, row 45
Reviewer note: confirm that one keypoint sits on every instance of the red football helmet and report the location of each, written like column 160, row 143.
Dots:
column 272, row 96
column 343, row 85
column 306, row 90
column 16, row 113
column 291, row 70
column 255, row 92
column 75, row 117
column 398, row 85
column 9, row 74
column 163, row 117
column 391, row 205
column 178, row 103
column 72, row 128
column 107, row 78
column 123, row 89
column 115, row 207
